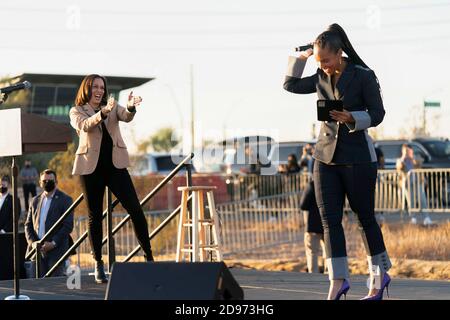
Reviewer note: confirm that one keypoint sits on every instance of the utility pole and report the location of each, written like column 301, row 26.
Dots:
column 313, row 131
column 192, row 110
column 424, row 125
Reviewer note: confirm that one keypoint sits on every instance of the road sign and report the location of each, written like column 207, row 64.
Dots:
column 435, row 104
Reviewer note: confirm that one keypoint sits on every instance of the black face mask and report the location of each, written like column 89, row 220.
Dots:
column 27, row 166
column 49, row 185
column 3, row 189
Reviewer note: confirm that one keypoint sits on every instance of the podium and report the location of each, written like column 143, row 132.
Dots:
column 22, row 133
column 7, row 256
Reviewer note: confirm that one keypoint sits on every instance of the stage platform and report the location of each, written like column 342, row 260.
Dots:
column 257, row 285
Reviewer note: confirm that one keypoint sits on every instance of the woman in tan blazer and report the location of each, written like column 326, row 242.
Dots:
column 102, row 159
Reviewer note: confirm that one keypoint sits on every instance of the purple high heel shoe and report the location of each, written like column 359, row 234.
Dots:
column 385, row 284
column 343, row 290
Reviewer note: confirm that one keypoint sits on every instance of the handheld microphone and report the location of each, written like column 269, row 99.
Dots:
column 305, row 47
column 17, row 86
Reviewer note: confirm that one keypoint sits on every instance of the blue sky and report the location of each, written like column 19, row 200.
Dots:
column 238, row 50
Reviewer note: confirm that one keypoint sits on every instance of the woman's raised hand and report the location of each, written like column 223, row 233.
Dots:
column 110, row 105
column 306, row 54
column 133, row 101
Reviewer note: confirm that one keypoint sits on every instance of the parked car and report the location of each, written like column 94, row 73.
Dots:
column 157, row 164
column 209, row 159
column 435, row 152
column 237, row 158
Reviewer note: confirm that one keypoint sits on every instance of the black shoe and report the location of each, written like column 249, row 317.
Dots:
column 100, row 276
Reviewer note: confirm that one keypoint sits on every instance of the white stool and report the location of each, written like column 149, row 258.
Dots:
column 200, row 245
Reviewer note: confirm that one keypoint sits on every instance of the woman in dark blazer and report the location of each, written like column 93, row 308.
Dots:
column 346, row 160
column 102, row 159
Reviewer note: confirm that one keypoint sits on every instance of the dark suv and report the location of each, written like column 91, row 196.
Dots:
column 435, row 152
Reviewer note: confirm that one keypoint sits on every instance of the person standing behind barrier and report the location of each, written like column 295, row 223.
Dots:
column 102, row 159
column 313, row 238
column 28, row 175
column 45, row 210
column 307, row 160
column 380, row 157
column 6, row 206
column 346, row 163
column 415, row 188
column 291, row 167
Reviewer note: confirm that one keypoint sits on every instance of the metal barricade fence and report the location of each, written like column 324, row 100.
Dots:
column 256, row 186
column 426, row 190
column 267, row 221
column 388, row 197
column 258, row 221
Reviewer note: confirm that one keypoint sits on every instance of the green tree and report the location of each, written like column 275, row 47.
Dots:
column 39, row 160
column 62, row 162
column 17, row 99
column 163, row 140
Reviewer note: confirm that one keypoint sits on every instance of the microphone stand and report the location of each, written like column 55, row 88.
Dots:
column 16, row 247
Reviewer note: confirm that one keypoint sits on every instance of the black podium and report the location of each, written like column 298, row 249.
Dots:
column 7, row 255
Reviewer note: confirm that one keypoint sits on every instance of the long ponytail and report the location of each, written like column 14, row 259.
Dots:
column 335, row 38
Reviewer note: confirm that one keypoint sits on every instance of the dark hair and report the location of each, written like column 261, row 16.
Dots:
column 335, row 38
column 407, row 145
column 293, row 166
column 293, row 156
column 85, row 90
column 6, row 178
column 49, row 171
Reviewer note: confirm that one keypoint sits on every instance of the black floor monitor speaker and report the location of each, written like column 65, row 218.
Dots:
column 172, row 281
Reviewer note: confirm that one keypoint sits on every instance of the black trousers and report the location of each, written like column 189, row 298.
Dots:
column 120, row 184
column 357, row 182
column 27, row 189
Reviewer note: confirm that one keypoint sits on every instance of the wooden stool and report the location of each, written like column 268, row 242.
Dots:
column 198, row 246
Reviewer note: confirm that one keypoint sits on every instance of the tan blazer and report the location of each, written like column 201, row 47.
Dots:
column 87, row 123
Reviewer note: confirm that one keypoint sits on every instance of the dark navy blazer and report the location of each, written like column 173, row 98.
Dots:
column 60, row 203
column 360, row 91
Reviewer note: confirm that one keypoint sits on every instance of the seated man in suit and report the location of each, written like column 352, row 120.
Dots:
column 6, row 207
column 45, row 209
